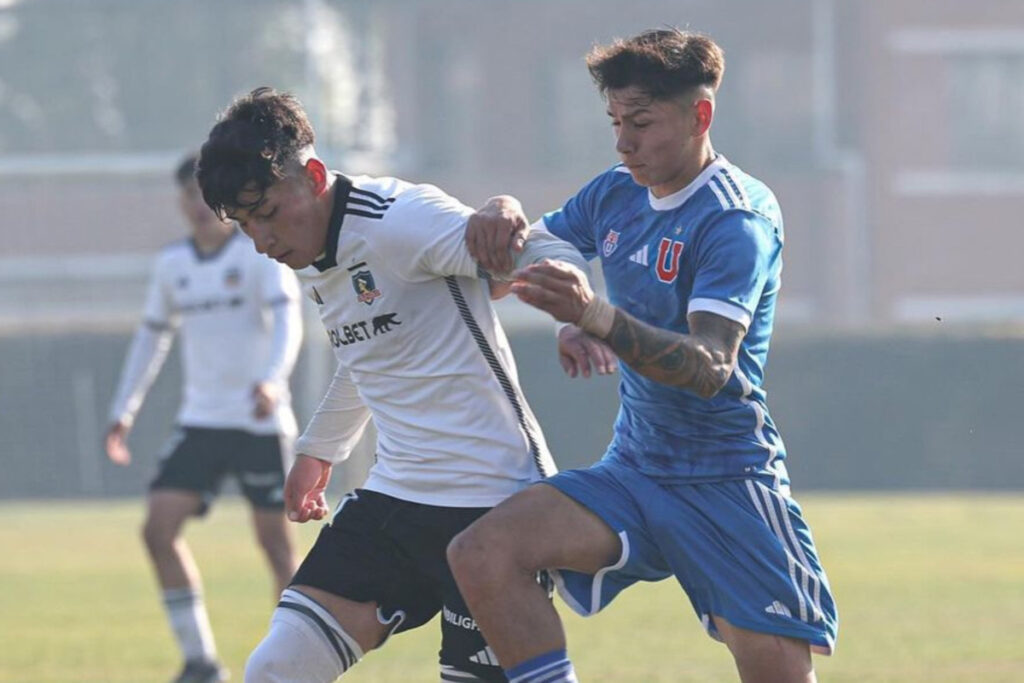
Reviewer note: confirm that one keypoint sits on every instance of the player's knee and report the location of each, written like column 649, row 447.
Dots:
column 305, row 644
column 262, row 665
column 465, row 554
column 767, row 656
column 156, row 536
column 475, row 555
column 304, row 662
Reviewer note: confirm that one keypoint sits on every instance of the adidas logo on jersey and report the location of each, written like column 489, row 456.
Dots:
column 485, row 656
column 778, row 608
column 640, row 256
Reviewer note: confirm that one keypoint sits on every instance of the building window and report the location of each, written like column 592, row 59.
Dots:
column 986, row 101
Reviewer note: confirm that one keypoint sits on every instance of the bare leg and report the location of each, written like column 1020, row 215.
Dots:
column 179, row 578
column 161, row 532
column 765, row 657
column 496, row 559
column 314, row 636
column 275, row 539
column 359, row 619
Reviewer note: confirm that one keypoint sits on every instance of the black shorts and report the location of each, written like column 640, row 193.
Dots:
column 390, row 551
column 199, row 458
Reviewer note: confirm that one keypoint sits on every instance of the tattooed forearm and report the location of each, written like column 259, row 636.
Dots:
column 701, row 362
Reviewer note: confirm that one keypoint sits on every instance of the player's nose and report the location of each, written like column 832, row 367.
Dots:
column 624, row 144
column 261, row 235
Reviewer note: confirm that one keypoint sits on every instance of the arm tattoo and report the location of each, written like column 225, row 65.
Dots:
column 701, row 361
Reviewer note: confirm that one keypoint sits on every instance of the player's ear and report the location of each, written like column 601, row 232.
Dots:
column 316, row 172
column 704, row 111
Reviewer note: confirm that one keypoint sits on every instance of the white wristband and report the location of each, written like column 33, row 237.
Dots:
column 597, row 317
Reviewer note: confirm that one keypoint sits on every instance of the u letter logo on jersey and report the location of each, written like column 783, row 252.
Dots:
column 667, row 266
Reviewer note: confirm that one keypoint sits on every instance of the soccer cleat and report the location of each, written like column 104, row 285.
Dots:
column 202, row 671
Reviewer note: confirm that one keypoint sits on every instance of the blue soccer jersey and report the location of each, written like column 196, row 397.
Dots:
column 715, row 246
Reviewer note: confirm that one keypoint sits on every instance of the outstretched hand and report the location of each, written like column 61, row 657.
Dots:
column 554, row 287
column 495, row 232
column 304, row 497
column 117, row 449
column 578, row 352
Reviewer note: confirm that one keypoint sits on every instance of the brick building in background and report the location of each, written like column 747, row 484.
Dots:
column 892, row 132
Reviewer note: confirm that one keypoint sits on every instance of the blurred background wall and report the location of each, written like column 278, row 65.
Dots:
column 893, row 134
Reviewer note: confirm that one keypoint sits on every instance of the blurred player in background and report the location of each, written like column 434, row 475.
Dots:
column 693, row 483
column 421, row 352
column 241, row 329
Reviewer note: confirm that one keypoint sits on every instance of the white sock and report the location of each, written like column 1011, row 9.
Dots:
column 186, row 612
column 305, row 644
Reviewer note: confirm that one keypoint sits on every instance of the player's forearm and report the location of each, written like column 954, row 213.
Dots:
column 337, row 424
column 145, row 357
column 286, row 340
column 542, row 244
column 680, row 360
column 332, row 435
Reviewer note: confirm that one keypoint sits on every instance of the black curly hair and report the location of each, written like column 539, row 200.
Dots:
column 251, row 147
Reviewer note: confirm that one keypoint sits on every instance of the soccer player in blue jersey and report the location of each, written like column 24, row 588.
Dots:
column 693, row 483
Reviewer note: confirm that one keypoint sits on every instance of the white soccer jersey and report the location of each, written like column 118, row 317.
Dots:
column 420, row 350
column 239, row 319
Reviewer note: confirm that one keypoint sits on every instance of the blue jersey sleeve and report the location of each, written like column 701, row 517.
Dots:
column 574, row 222
column 735, row 255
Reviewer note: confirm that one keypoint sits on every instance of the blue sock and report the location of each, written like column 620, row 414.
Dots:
column 550, row 667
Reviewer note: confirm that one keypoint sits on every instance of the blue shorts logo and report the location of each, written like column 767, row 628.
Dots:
column 610, row 244
column 366, row 289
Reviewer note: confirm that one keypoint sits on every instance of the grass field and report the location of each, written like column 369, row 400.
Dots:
column 930, row 588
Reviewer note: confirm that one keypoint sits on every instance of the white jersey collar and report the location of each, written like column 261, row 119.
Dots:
column 679, row 197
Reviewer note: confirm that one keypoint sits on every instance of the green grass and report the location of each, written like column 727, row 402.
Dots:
column 930, row 588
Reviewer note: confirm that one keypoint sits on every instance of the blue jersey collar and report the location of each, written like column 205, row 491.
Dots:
column 679, row 197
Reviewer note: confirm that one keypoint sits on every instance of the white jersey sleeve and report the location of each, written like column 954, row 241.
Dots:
column 425, row 236
column 542, row 244
column 338, row 423
column 148, row 350
column 426, row 239
column 159, row 311
column 279, row 290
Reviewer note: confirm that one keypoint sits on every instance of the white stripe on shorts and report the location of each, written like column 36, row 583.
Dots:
column 809, row 574
column 809, row 580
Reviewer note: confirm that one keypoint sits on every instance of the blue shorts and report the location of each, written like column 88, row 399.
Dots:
column 739, row 548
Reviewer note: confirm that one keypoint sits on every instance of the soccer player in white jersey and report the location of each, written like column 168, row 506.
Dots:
column 693, row 483
column 420, row 352
column 240, row 326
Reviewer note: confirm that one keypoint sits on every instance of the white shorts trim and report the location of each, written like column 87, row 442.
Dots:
column 596, row 581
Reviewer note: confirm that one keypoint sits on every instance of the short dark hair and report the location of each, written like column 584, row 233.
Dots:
column 251, row 146
column 663, row 63
column 186, row 170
